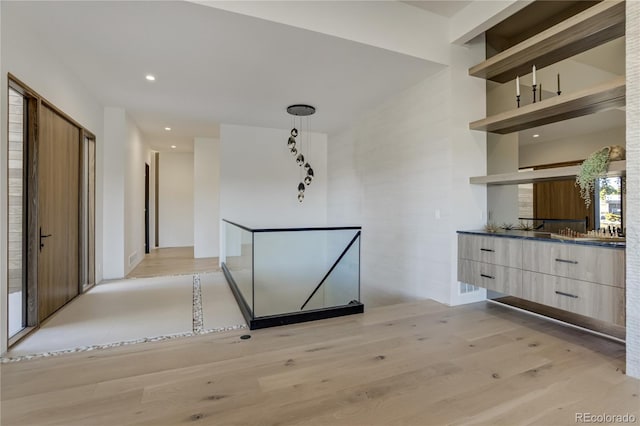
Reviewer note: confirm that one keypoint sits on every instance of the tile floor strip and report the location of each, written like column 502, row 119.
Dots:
column 197, row 305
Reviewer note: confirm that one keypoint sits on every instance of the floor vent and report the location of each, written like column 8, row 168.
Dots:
column 132, row 257
column 468, row 288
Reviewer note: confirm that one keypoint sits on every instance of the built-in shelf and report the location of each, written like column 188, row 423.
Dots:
column 616, row 168
column 584, row 102
column 595, row 26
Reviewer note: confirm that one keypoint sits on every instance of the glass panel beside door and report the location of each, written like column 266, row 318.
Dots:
column 17, row 227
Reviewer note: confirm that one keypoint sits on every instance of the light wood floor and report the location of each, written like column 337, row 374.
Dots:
column 173, row 261
column 411, row 364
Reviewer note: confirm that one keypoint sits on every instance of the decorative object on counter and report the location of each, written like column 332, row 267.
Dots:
column 559, row 91
column 491, row 227
column 525, row 225
column 518, row 91
column 301, row 111
column 507, row 226
column 602, row 234
column 595, row 167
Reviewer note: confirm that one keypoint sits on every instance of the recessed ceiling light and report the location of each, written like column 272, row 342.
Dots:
column 173, row 147
column 150, row 77
column 536, row 135
column 168, row 129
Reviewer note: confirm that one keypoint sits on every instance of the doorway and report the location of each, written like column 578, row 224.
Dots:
column 58, row 212
column 147, row 246
column 52, row 209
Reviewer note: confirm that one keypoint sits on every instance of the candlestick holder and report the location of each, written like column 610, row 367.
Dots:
column 534, row 93
column 540, row 93
column 518, row 100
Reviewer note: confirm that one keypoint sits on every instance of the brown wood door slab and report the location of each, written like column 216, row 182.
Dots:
column 58, row 217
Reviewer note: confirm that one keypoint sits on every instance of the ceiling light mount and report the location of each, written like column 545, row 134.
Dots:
column 301, row 110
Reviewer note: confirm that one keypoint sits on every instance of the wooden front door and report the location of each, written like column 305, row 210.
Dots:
column 58, row 211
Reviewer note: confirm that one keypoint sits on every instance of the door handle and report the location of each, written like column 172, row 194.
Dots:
column 42, row 237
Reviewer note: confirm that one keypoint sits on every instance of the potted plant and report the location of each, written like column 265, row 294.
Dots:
column 596, row 167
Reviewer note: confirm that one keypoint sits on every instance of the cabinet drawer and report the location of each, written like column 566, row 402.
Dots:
column 493, row 277
column 602, row 302
column 585, row 263
column 495, row 250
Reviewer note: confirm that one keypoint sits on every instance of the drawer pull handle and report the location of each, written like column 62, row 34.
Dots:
column 487, row 276
column 561, row 293
column 573, row 262
column 489, row 250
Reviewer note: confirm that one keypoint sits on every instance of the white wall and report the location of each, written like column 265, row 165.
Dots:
column 259, row 178
column 402, row 172
column 24, row 55
column 115, row 137
column 125, row 154
column 176, row 199
column 137, row 154
column 206, row 181
column 633, row 188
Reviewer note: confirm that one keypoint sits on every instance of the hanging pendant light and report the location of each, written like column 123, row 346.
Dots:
column 300, row 111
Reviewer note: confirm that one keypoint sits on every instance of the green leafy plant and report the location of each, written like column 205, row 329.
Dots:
column 593, row 168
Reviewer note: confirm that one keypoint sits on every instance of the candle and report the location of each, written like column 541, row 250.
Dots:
column 518, row 86
column 558, row 82
column 534, row 75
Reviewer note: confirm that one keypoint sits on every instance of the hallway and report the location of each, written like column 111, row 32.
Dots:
column 173, row 261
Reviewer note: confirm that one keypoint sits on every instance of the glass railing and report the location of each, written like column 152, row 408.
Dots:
column 287, row 275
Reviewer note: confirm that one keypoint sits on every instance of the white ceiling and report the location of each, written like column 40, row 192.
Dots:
column 213, row 66
column 575, row 127
column 446, row 8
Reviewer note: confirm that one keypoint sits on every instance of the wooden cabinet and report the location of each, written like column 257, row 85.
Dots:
column 585, row 263
column 497, row 251
column 494, row 277
column 602, row 302
column 583, row 279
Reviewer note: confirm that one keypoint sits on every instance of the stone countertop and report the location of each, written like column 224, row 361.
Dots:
column 543, row 236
